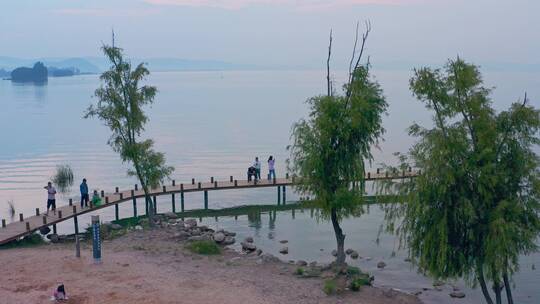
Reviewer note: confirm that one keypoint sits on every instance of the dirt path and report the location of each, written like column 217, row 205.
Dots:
column 148, row 267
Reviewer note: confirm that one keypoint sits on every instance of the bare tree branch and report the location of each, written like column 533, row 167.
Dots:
column 365, row 36
column 328, row 82
column 354, row 51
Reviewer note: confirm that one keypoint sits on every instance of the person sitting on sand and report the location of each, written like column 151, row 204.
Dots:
column 60, row 293
column 96, row 200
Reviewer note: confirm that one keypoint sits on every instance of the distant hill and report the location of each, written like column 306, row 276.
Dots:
column 38, row 73
column 84, row 66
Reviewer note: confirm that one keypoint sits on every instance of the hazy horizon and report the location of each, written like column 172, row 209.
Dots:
column 276, row 33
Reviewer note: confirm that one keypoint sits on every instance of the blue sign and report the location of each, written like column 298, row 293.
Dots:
column 96, row 240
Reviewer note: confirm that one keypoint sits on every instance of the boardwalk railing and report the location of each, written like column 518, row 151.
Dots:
column 28, row 225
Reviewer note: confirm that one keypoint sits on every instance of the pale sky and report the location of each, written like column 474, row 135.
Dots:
column 275, row 32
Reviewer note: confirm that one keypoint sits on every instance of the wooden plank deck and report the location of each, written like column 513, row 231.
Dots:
column 28, row 225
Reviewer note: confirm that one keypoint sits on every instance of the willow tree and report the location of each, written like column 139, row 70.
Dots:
column 331, row 146
column 120, row 107
column 475, row 207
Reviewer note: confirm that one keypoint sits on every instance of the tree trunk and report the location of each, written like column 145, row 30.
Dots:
column 148, row 200
column 497, row 288
column 508, row 289
column 483, row 286
column 340, row 238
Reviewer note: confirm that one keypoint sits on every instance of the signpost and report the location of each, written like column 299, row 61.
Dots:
column 96, row 239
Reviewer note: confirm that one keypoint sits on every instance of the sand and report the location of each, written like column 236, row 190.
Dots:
column 151, row 267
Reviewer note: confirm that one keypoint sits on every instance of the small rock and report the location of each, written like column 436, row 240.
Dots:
column 381, row 264
column 171, row 215
column 44, row 230
column 115, row 226
column 227, row 233
column 313, row 264
column 354, row 255
column 438, row 283
column 349, row 251
column 283, row 241
column 408, row 260
column 258, row 251
column 284, row 250
column 248, row 246
column 457, row 294
column 53, row 237
column 249, row 239
column 219, row 237
column 334, row 252
column 190, row 223
column 229, row 240
column 301, row 263
column 271, row 235
column 267, row 257
column 138, row 227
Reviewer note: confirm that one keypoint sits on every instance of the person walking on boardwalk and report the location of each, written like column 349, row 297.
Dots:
column 257, row 166
column 84, row 193
column 51, row 197
column 271, row 170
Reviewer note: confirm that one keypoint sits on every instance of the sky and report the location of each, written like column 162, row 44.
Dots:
column 276, row 32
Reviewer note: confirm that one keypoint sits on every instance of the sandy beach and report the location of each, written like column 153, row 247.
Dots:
column 151, row 266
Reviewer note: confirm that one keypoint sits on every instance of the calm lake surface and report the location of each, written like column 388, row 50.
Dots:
column 214, row 124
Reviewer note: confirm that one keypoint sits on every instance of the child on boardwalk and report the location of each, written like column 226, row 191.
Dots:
column 51, row 198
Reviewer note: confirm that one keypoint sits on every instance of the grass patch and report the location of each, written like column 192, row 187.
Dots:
column 360, row 280
column 63, row 178
column 330, row 286
column 28, row 241
column 299, row 271
column 204, row 247
column 353, row 271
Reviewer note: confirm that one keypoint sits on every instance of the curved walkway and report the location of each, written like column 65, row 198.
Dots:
column 28, row 225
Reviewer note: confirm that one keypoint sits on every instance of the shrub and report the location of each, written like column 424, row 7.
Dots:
column 358, row 281
column 299, row 271
column 353, row 271
column 330, row 287
column 204, row 247
column 63, row 178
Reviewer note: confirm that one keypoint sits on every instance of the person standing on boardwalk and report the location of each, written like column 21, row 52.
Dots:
column 257, row 166
column 51, row 197
column 84, row 193
column 271, row 171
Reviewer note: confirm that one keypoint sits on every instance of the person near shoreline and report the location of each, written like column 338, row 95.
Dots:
column 271, row 170
column 51, row 198
column 257, row 166
column 84, row 193
column 96, row 200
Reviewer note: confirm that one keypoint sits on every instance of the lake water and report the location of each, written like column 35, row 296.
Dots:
column 214, row 124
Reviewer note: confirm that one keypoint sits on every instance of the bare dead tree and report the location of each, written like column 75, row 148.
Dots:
column 356, row 59
column 328, row 81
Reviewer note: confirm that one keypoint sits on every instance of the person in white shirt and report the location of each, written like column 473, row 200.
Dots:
column 271, row 171
column 257, row 166
column 51, row 197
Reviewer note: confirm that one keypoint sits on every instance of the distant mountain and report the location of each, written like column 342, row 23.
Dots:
column 84, row 66
column 38, row 73
column 4, row 73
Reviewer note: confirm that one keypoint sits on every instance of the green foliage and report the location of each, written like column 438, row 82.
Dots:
column 330, row 286
column 204, row 247
column 475, row 207
column 28, row 241
column 358, row 281
column 299, row 271
column 120, row 107
column 352, row 271
column 63, row 178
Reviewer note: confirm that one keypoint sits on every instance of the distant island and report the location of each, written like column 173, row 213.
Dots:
column 38, row 73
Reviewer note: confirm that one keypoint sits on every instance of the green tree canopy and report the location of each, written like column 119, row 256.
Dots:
column 120, row 107
column 475, row 207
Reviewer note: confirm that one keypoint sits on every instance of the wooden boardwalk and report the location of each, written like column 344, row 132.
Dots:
column 28, row 225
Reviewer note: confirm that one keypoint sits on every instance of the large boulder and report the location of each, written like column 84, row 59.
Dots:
column 249, row 239
column 354, row 255
column 219, row 237
column 171, row 215
column 190, row 223
column 381, row 264
column 54, row 238
column 44, row 230
column 229, row 240
column 457, row 294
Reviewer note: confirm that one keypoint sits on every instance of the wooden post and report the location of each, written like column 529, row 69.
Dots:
column 54, row 228
column 199, row 185
column 205, row 199
column 116, row 212
column 102, row 193
column 284, row 195
column 286, row 175
column 74, row 209
column 121, row 195
column 173, row 182
column 59, row 213
column 182, row 201
column 215, row 184
column 274, row 180
column 155, row 204
column 231, row 178
column 134, row 203
column 236, row 183
column 193, row 181
column 136, row 187
column 410, row 169
column 116, row 189
column 27, row 226
column 77, row 242
column 293, row 215
column 3, row 223
column 44, row 220
column 146, row 204
column 106, row 199
column 378, row 171
column 293, row 179
column 71, row 202
column 173, row 204
column 37, row 211
column 386, row 174
column 279, row 195
column 212, row 179
column 164, row 188
column 369, row 175
column 21, row 218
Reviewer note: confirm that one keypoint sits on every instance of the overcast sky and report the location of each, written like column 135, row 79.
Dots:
column 275, row 32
